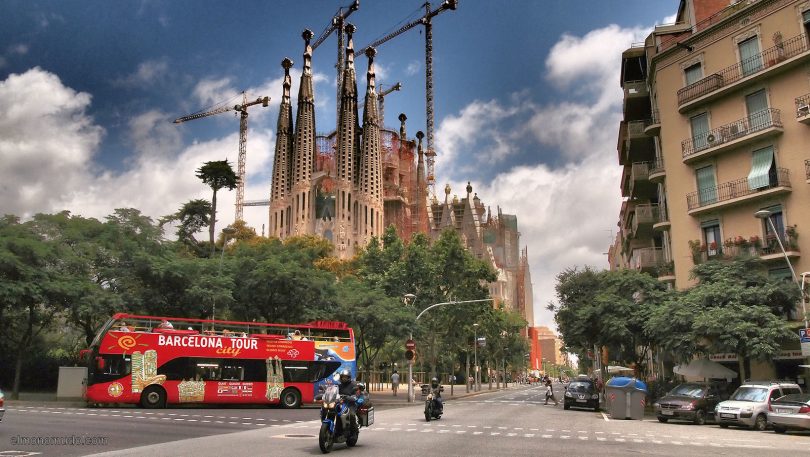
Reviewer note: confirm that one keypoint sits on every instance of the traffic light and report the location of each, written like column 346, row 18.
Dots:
column 410, row 354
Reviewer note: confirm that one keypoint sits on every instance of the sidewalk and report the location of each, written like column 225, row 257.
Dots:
column 386, row 396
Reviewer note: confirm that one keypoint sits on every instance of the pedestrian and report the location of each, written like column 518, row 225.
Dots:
column 550, row 393
column 395, row 382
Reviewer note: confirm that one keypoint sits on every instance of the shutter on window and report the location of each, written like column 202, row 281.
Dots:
column 761, row 165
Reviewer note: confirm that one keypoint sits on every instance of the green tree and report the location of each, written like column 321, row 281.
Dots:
column 217, row 175
column 192, row 217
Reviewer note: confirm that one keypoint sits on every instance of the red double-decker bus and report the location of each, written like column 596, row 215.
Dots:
column 158, row 361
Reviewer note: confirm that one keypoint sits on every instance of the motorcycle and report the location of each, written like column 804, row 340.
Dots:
column 433, row 407
column 337, row 424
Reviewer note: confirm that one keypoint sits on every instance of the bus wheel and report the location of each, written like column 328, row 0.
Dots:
column 291, row 398
column 153, row 397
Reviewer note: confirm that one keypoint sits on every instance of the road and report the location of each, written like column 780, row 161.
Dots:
column 512, row 422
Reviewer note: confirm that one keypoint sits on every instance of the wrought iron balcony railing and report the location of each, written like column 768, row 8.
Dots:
column 734, row 189
column 754, row 123
column 802, row 106
column 750, row 66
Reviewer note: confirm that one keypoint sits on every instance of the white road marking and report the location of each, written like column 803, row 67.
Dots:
column 605, row 416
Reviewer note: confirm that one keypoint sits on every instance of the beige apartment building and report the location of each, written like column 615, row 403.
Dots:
column 716, row 128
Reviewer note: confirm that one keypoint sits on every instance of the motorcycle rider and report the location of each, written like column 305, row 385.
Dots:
column 349, row 388
column 437, row 393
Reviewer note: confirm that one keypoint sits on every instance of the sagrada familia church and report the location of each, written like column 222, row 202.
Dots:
column 350, row 185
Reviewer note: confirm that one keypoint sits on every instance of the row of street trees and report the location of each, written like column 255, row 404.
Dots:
column 734, row 307
column 62, row 275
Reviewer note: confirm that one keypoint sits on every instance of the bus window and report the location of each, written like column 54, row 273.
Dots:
column 116, row 365
column 207, row 370
column 232, row 371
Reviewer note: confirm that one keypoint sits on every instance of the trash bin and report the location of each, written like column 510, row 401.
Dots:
column 626, row 398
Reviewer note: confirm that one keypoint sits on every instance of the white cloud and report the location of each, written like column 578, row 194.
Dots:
column 413, row 68
column 565, row 212
column 20, row 49
column 48, row 142
column 148, row 73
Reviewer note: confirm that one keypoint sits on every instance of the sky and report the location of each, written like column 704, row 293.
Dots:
column 527, row 105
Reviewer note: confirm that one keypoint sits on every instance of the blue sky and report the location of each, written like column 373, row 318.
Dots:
column 527, row 104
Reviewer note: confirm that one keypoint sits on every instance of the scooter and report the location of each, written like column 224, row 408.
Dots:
column 433, row 407
column 337, row 425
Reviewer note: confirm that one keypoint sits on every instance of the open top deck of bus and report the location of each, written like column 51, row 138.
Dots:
column 313, row 331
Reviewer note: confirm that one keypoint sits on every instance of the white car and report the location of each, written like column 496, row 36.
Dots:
column 791, row 412
column 748, row 405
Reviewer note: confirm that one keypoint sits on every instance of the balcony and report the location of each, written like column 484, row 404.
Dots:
column 646, row 259
column 640, row 185
column 803, row 109
column 663, row 223
column 652, row 126
column 635, row 130
column 807, row 171
column 666, row 272
column 739, row 246
column 780, row 57
column 645, row 216
column 657, row 171
column 735, row 192
column 759, row 125
column 635, row 89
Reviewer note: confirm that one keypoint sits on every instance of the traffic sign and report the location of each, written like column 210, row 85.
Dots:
column 804, row 336
column 410, row 344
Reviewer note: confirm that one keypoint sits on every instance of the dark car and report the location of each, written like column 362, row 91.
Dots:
column 2, row 407
column 690, row 402
column 581, row 393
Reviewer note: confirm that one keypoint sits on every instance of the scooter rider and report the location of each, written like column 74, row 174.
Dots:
column 349, row 388
column 437, row 393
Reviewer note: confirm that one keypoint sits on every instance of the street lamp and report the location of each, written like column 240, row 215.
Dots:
column 475, row 358
column 409, row 298
column 226, row 232
column 765, row 214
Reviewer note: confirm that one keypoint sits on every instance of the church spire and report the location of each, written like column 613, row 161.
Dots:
column 370, row 197
column 282, row 160
column 304, row 150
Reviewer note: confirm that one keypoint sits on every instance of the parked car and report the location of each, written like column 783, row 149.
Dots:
column 748, row 405
column 791, row 412
column 581, row 393
column 2, row 405
column 691, row 402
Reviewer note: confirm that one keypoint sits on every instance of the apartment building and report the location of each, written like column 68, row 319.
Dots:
column 714, row 145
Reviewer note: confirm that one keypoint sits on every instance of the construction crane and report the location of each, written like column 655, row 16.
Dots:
column 337, row 26
column 243, row 118
column 381, row 99
column 426, row 21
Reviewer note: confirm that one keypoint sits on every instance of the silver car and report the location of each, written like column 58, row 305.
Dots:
column 790, row 412
column 748, row 405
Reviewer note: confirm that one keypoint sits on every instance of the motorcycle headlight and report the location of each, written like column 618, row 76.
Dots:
column 330, row 405
column 430, row 397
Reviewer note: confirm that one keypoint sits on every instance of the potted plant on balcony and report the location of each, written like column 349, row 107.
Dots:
column 792, row 238
column 697, row 251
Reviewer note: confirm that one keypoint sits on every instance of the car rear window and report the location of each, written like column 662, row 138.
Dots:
column 794, row 398
column 580, row 386
column 688, row 390
column 791, row 390
column 750, row 394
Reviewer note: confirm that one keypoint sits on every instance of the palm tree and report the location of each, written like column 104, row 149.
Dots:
column 217, row 174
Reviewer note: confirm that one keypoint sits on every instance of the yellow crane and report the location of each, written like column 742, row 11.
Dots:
column 243, row 123
column 426, row 20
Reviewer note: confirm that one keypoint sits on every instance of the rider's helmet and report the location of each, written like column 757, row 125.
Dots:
column 434, row 383
column 345, row 375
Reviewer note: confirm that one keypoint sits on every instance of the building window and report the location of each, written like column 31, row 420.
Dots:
column 693, row 73
column 763, row 169
column 700, row 129
column 806, row 21
column 778, row 219
column 711, row 236
column 750, row 58
column 757, row 106
column 707, row 188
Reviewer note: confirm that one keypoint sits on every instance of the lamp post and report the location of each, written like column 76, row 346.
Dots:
column 409, row 299
column 475, row 358
column 765, row 214
column 226, row 232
